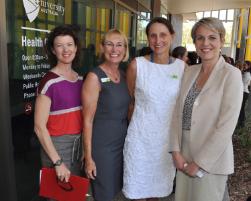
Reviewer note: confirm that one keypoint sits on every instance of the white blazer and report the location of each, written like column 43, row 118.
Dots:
column 214, row 117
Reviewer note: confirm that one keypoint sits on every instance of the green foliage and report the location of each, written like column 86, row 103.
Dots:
column 186, row 33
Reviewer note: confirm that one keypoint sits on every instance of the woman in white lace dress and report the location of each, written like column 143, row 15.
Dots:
column 153, row 82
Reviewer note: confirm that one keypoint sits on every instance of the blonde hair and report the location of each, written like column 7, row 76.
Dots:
column 211, row 23
column 116, row 31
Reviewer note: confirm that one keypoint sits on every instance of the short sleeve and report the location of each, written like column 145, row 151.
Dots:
column 45, row 86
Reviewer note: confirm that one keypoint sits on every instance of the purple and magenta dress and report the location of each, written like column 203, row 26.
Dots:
column 65, row 118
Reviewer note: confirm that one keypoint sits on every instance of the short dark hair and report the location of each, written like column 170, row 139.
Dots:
column 62, row 30
column 248, row 63
column 179, row 52
column 193, row 58
column 160, row 20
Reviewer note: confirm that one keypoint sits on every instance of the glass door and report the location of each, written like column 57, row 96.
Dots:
column 28, row 23
column 125, row 20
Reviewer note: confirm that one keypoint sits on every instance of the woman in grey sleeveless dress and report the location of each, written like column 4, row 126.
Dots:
column 105, row 105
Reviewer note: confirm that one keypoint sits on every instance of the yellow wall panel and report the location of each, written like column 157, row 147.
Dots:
column 240, row 28
column 68, row 11
column 98, row 40
column 88, row 17
column 87, row 37
column 127, row 24
column 107, row 20
column 102, row 19
column 248, row 46
column 98, row 19
column 121, row 19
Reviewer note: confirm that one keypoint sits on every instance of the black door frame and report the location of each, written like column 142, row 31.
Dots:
column 7, row 179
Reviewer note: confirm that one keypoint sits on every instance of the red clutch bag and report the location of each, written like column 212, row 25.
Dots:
column 50, row 187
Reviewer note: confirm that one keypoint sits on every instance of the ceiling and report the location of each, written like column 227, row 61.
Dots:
column 191, row 6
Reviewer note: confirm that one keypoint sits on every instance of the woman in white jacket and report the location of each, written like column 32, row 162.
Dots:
column 205, row 118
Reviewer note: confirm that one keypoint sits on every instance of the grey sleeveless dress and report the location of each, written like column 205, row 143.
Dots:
column 109, row 132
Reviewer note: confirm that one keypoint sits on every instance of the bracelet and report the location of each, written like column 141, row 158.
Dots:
column 58, row 162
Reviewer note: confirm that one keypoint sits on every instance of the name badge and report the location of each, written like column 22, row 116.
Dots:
column 174, row 76
column 105, row 79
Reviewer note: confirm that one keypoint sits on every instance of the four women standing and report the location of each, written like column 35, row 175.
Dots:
column 201, row 143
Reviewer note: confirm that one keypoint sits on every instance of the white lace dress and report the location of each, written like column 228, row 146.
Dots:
column 148, row 167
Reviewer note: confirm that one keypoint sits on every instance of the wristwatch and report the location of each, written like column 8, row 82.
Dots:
column 58, row 162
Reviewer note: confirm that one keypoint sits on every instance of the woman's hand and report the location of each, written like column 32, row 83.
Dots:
column 191, row 169
column 178, row 160
column 62, row 172
column 90, row 168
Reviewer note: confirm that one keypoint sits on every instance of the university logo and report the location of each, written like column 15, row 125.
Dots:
column 32, row 8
